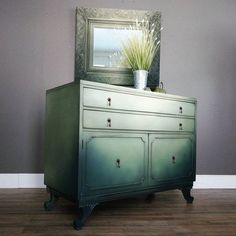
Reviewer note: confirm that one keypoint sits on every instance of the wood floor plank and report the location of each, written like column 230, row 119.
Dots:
column 213, row 212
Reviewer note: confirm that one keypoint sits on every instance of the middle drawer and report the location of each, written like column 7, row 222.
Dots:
column 125, row 121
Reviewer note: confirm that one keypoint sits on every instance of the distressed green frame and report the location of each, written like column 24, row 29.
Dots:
column 85, row 17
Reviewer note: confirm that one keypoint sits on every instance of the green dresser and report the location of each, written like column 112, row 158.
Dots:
column 105, row 142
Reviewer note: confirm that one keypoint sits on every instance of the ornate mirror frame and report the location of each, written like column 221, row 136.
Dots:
column 85, row 19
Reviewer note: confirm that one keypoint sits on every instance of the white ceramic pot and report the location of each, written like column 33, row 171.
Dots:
column 140, row 79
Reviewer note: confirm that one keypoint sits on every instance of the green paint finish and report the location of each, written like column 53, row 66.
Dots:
column 171, row 157
column 98, row 149
column 114, row 161
column 124, row 101
column 126, row 121
column 61, row 139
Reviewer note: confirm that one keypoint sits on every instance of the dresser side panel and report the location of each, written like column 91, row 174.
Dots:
column 61, row 139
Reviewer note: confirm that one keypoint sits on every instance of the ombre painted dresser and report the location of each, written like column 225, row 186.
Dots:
column 105, row 142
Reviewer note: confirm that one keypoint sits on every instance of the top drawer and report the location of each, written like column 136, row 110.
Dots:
column 114, row 100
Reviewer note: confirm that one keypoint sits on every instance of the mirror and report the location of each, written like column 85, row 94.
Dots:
column 107, row 45
column 99, row 37
column 106, row 49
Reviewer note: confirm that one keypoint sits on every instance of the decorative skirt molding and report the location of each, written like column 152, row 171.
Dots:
column 37, row 181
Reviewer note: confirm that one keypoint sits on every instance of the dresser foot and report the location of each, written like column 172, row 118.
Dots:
column 84, row 213
column 50, row 204
column 187, row 194
column 150, row 197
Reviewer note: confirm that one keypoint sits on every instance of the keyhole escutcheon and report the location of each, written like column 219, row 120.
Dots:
column 180, row 110
column 180, row 126
column 109, row 101
column 173, row 159
column 118, row 163
column 109, row 122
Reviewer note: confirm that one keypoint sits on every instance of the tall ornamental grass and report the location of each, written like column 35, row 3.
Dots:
column 140, row 50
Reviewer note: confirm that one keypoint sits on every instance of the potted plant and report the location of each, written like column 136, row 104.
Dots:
column 139, row 51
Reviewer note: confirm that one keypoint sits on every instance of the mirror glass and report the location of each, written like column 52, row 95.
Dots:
column 107, row 45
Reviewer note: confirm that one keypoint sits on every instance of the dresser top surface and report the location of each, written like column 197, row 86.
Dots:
column 122, row 89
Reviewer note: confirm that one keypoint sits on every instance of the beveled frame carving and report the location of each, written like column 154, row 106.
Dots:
column 118, row 76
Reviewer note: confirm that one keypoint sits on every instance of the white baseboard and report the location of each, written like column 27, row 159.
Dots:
column 37, row 181
column 215, row 181
column 22, row 181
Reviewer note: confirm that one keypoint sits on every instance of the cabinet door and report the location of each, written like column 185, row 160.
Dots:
column 114, row 161
column 172, row 158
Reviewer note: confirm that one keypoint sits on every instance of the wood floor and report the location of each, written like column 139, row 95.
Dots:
column 213, row 212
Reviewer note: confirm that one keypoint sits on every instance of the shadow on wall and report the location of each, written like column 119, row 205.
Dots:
column 216, row 106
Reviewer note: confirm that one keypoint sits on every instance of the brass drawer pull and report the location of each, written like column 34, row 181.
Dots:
column 173, row 159
column 180, row 126
column 109, row 122
column 109, row 101
column 180, row 110
column 118, row 163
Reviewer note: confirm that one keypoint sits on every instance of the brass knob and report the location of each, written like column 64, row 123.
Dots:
column 109, row 122
column 109, row 101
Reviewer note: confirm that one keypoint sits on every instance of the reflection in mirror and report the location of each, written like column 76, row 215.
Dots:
column 107, row 45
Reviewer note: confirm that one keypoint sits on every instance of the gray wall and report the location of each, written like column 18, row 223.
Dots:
column 198, row 58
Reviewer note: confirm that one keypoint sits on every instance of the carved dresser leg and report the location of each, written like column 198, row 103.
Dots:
column 85, row 212
column 187, row 194
column 150, row 197
column 50, row 204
